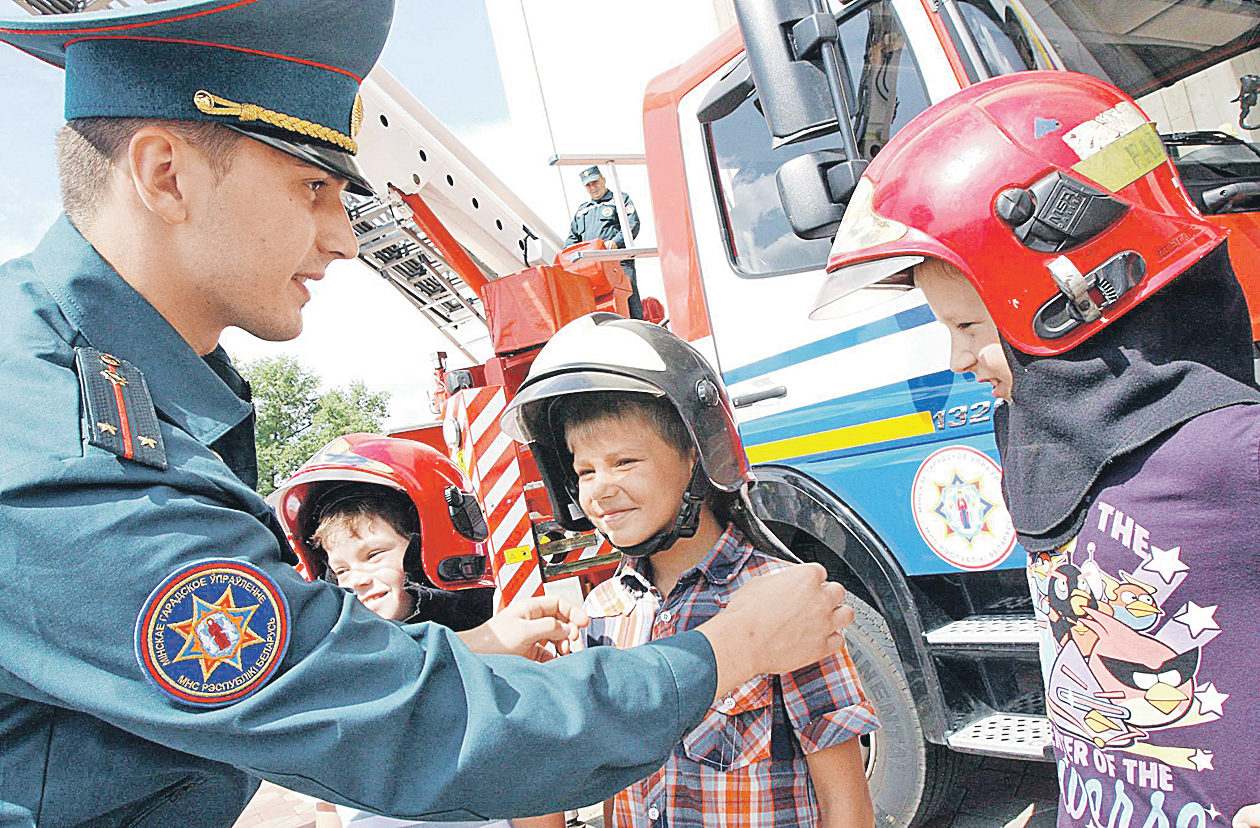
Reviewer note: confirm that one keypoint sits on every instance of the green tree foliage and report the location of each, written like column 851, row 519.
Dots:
column 295, row 420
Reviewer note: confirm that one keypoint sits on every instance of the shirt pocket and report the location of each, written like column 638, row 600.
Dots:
column 736, row 731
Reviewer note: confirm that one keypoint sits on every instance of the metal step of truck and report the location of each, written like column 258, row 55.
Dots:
column 1005, row 734
column 987, row 636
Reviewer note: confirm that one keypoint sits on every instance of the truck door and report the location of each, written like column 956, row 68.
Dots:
column 864, row 392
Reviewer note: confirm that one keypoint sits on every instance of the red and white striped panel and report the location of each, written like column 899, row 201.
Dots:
column 488, row 457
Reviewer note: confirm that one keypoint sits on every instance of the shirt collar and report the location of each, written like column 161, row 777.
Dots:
column 718, row 566
column 724, row 561
column 114, row 318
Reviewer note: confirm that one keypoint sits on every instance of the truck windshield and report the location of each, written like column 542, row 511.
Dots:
column 1140, row 47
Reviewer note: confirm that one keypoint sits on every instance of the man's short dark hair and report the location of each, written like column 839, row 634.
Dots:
column 88, row 149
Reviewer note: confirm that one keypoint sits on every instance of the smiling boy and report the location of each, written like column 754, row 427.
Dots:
column 1076, row 277
column 632, row 427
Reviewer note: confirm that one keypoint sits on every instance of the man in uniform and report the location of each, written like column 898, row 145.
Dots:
column 598, row 219
column 157, row 656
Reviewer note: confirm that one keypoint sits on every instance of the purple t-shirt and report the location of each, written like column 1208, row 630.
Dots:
column 1150, row 634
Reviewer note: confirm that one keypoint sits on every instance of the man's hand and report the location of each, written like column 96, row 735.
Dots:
column 777, row 623
column 1248, row 817
column 525, row 628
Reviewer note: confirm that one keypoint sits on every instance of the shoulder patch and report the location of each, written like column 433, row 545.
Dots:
column 213, row 633
column 119, row 410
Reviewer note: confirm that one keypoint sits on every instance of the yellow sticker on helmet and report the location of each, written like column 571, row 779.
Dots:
column 1125, row 159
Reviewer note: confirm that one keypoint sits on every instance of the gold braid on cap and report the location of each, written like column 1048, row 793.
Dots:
column 214, row 105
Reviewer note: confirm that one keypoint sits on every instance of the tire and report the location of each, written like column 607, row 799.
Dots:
column 910, row 778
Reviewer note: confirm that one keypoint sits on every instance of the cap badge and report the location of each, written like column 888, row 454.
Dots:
column 211, row 104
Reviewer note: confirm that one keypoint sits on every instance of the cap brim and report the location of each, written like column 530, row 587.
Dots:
column 836, row 297
column 340, row 164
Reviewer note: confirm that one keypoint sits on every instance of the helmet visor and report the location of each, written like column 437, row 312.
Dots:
column 886, row 279
column 526, row 419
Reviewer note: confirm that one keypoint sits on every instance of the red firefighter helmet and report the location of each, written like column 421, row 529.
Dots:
column 452, row 526
column 1051, row 191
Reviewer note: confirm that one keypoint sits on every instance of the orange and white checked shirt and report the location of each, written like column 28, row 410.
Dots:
column 744, row 765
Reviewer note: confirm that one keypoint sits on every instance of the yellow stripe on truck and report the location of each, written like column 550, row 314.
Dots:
column 879, row 431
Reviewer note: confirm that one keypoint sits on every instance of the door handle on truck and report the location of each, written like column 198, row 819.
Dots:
column 759, row 395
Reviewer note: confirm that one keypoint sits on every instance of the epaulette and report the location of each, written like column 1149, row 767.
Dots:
column 119, row 410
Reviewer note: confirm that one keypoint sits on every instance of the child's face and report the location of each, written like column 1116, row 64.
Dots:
column 973, row 337
column 630, row 480
column 368, row 558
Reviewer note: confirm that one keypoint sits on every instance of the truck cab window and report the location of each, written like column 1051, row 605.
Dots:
column 759, row 240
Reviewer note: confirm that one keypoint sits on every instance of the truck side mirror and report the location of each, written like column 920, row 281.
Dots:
column 815, row 189
column 795, row 96
column 804, row 85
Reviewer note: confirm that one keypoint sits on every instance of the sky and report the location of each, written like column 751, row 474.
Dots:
column 357, row 326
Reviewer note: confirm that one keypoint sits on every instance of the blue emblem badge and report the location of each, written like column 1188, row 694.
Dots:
column 213, row 632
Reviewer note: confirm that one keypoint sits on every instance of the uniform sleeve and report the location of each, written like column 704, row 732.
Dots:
column 575, row 230
column 632, row 215
column 397, row 719
column 825, row 703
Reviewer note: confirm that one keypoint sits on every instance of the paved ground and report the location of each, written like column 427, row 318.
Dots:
column 997, row 791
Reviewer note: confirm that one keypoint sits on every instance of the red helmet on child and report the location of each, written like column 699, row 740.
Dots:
column 1051, row 191
column 452, row 527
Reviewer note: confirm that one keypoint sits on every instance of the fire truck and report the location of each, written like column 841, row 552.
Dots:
column 872, row 458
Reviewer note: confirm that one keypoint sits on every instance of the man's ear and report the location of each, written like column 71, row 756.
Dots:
column 165, row 171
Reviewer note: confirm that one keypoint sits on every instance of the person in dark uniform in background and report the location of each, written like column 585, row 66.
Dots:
column 157, row 654
column 597, row 219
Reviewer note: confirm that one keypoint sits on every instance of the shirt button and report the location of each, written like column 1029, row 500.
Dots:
column 653, row 813
column 666, row 616
column 728, row 703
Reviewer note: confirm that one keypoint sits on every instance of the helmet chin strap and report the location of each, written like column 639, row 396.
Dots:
column 685, row 523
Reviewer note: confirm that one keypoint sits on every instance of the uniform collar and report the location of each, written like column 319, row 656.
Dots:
column 114, row 318
column 607, row 196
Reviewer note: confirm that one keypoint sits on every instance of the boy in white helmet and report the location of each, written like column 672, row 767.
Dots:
column 633, row 432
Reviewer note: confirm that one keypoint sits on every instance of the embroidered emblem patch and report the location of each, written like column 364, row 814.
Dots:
column 606, row 211
column 213, row 632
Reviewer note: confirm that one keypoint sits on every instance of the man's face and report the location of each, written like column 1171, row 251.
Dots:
column 596, row 188
column 630, row 480
column 973, row 337
column 272, row 224
column 367, row 558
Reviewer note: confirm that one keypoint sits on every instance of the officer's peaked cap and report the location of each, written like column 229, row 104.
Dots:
column 590, row 174
column 286, row 72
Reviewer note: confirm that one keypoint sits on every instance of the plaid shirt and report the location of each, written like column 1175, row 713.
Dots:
column 744, row 765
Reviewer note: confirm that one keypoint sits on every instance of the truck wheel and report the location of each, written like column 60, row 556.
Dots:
column 910, row 778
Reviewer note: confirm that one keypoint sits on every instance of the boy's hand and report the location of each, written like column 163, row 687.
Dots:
column 777, row 623
column 525, row 628
column 1248, row 817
